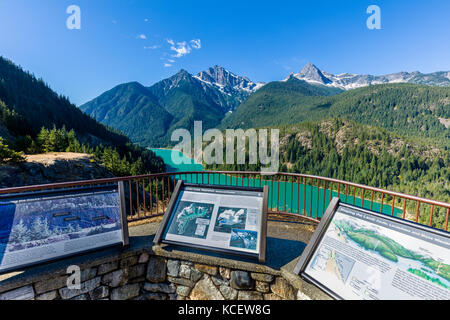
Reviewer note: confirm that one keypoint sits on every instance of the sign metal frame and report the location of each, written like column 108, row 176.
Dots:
column 73, row 191
column 262, row 232
column 317, row 236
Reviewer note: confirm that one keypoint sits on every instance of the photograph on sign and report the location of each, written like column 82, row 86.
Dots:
column 42, row 226
column 226, row 219
column 365, row 255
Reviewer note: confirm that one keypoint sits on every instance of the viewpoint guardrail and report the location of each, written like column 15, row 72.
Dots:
column 289, row 194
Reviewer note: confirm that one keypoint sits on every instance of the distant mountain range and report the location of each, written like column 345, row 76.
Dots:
column 347, row 81
column 219, row 98
column 148, row 115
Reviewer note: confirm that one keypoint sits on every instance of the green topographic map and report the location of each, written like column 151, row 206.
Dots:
column 390, row 249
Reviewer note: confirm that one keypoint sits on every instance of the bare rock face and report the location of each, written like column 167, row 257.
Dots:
column 205, row 290
column 50, row 168
column 312, row 73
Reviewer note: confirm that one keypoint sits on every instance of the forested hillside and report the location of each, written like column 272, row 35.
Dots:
column 33, row 119
column 413, row 110
column 148, row 115
column 363, row 154
column 134, row 110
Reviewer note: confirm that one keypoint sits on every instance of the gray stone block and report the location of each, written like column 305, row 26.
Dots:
column 115, row 278
column 219, row 281
column 183, row 290
column 85, row 287
column 125, row 292
column 23, row 293
column 99, row 293
column 173, row 267
column 156, row 269
column 241, row 280
column 185, row 271
column 51, row 295
column 228, row 292
column 196, row 275
column 50, row 284
column 127, row 262
column 136, row 271
column 108, row 267
column 159, row 287
column 143, row 258
column 181, row 281
column 88, row 274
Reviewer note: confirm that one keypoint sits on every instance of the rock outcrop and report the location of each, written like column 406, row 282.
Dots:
column 50, row 168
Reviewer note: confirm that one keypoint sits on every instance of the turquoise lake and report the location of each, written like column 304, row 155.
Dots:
column 280, row 192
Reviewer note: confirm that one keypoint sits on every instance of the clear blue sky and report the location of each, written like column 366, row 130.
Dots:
column 128, row 40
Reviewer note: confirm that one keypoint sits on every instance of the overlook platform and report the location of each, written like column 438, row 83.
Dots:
column 144, row 271
column 147, row 271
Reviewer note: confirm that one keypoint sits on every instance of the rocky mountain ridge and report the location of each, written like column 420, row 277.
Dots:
column 347, row 81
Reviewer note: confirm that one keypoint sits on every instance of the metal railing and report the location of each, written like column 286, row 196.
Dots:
column 302, row 195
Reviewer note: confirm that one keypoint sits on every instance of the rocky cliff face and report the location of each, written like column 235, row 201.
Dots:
column 51, row 168
column 227, row 81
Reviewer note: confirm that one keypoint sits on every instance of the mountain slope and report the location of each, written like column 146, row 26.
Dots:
column 131, row 108
column 36, row 105
column 311, row 73
column 188, row 99
column 409, row 109
column 369, row 155
column 279, row 102
column 27, row 105
column 228, row 83
column 148, row 115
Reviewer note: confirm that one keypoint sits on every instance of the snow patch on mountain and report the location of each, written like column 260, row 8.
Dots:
column 347, row 81
column 226, row 81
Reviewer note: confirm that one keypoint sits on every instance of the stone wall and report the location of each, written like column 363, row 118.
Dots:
column 146, row 272
column 146, row 276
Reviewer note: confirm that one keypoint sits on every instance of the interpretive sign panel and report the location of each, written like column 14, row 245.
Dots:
column 47, row 225
column 220, row 218
column 359, row 254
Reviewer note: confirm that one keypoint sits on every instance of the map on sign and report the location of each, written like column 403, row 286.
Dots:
column 333, row 262
column 364, row 256
column 191, row 219
column 42, row 226
column 226, row 219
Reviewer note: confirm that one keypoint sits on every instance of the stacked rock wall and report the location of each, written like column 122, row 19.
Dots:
column 143, row 275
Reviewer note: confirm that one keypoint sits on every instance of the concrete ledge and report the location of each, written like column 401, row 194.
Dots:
column 132, row 267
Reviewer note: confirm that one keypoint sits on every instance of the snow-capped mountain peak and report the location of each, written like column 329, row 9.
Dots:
column 226, row 81
column 312, row 74
column 346, row 81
